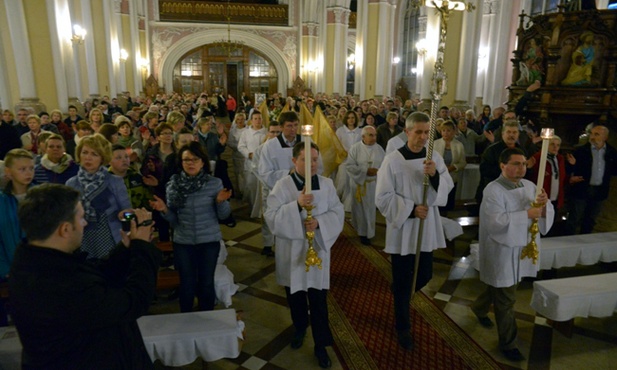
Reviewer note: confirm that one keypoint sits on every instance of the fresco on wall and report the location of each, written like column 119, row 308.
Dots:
column 582, row 59
column 531, row 66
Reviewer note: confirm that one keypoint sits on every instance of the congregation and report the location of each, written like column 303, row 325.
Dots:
column 165, row 154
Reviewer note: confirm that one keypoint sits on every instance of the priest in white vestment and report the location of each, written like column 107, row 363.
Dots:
column 258, row 208
column 250, row 140
column 363, row 161
column 505, row 216
column 287, row 220
column 399, row 197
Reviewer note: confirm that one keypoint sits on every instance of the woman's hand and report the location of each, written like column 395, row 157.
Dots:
column 223, row 195
column 158, row 205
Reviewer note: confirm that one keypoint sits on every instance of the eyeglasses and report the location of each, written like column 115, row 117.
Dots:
column 191, row 160
column 275, row 132
column 517, row 164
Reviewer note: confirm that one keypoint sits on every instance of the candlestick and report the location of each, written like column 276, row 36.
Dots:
column 547, row 135
column 307, row 131
column 531, row 249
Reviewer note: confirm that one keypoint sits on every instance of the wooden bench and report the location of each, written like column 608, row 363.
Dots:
column 561, row 300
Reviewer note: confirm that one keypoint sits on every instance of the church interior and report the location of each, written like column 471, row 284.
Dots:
column 60, row 53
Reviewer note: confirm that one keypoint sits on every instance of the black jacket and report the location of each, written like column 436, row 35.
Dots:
column 73, row 314
column 582, row 167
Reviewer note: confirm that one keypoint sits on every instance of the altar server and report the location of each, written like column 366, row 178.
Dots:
column 287, row 220
column 399, row 198
column 506, row 214
column 396, row 142
column 363, row 161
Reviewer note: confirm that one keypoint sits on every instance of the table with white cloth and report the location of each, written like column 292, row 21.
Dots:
column 468, row 180
column 179, row 339
column 10, row 349
column 568, row 251
column 583, row 296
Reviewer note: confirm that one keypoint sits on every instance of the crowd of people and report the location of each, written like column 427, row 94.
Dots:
column 164, row 155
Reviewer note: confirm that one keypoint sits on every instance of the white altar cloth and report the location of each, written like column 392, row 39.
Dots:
column 178, row 339
column 584, row 296
column 568, row 251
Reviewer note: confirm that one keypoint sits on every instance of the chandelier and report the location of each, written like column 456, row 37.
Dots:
column 229, row 46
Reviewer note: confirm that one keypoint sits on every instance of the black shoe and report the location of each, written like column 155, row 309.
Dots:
column 298, row 339
column 365, row 241
column 485, row 322
column 267, row 251
column 513, row 354
column 322, row 357
column 405, row 340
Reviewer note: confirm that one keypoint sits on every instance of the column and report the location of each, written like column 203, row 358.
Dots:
column 135, row 47
column 121, row 75
column 378, row 44
column 5, row 97
column 16, row 20
column 62, row 60
column 361, row 41
column 468, row 57
column 336, row 49
column 432, row 43
column 93, row 80
column 111, row 45
column 498, row 52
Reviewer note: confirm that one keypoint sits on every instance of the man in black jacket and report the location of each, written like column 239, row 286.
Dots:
column 69, row 312
column 590, row 179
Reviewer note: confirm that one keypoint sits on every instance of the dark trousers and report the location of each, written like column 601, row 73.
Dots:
column 299, row 304
column 196, row 265
column 443, row 211
column 583, row 212
column 503, row 300
column 402, row 278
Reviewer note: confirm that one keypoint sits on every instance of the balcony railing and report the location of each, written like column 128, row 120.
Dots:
column 211, row 12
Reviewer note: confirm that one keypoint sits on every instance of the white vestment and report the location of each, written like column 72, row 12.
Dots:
column 287, row 225
column 236, row 156
column 360, row 158
column 249, row 141
column 347, row 138
column 396, row 142
column 275, row 162
column 399, row 189
column 504, row 231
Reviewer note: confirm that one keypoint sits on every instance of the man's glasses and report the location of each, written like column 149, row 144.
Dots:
column 191, row 160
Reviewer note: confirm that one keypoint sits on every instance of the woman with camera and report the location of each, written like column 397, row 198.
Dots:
column 195, row 202
column 103, row 195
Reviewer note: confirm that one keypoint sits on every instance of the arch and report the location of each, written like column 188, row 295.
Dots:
column 189, row 42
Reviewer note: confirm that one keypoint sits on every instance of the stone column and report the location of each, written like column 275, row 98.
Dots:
column 309, row 54
column 336, row 50
column 16, row 20
column 93, row 79
column 361, row 41
column 468, row 58
column 498, row 48
column 111, row 44
column 135, row 48
column 377, row 47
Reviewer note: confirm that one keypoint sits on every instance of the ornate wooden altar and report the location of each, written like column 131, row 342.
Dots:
column 574, row 54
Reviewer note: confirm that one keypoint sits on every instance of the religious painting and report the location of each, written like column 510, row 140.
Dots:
column 531, row 66
column 583, row 62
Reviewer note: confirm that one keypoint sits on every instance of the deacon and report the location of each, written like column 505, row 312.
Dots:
column 399, row 197
column 71, row 313
column 506, row 214
column 286, row 216
column 363, row 161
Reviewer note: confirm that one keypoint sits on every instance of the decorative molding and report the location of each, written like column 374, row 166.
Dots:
column 311, row 27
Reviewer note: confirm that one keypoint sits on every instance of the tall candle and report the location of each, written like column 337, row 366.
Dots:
column 547, row 135
column 307, row 131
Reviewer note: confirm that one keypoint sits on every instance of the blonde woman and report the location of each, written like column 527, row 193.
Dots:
column 103, row 196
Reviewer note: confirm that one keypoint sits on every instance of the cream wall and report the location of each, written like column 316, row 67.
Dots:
column 10, row 72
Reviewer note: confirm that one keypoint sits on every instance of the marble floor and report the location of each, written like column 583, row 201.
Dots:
column 262, row 306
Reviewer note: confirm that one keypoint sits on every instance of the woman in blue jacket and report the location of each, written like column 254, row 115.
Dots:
column 195, row 202
column 103, row 195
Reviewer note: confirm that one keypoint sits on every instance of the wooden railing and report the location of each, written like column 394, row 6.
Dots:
column 216, row 12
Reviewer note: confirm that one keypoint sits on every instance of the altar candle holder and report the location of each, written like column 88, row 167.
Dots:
column 531, row 250
column 312, row 259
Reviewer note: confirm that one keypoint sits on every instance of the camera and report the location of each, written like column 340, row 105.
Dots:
column 126, row 220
